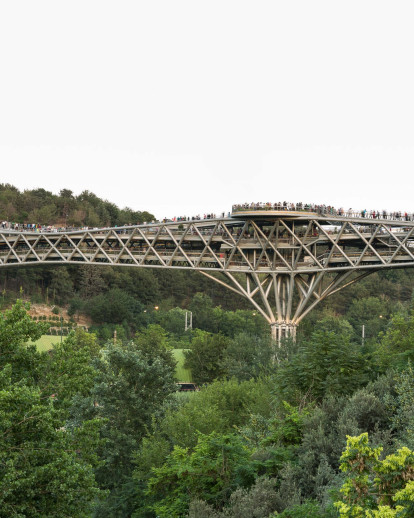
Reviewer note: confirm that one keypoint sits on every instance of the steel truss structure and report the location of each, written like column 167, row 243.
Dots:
column 283, row 263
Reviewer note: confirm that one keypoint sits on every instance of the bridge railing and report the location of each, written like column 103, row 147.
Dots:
column 323, row 210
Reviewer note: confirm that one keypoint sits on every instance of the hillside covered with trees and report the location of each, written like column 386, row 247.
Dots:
column 39, row 206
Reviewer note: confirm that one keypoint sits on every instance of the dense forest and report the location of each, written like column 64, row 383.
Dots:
column 322, row 427
column 38, row 206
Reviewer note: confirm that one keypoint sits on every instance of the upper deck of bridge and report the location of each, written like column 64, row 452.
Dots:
column 301, row 211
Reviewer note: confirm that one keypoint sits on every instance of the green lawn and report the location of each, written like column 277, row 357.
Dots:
column 181, row 374
column 45, row 342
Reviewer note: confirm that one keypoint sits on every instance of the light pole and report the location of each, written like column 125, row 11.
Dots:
column 189, row 321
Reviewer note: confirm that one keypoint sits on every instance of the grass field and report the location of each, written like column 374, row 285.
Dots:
column 181, row 374
column 45, row 343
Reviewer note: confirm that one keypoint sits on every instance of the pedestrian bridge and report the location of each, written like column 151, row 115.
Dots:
column 283, row 261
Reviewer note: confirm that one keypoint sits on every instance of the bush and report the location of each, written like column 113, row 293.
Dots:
column 309, row 509
column 258, row 501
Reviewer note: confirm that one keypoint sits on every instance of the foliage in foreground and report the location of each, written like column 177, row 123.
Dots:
column 263, row 439
column 45, row 468
column 376, row 488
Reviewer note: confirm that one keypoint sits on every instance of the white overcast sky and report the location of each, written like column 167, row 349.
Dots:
column 185, row 107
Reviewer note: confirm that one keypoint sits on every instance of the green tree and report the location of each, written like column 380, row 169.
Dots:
column 202, row 308
column 334, row 324
column 309, row 509
column 326, row 364
column 129, row 387
column 206, row 356
column 45, row 214
column 223, row 406
column 140, row 283
column 376, row 488
column 403, row 405
column 45, row 470
column 61, row 285
column 315, row 469
column 217, row 465
column 248, row 356
column 69, row 371
column 91, row 282
column 397, row 344
column 66, row 203
column 16, row 330
column 173, row 321
column 76, row 304
column 114, row 306
column 231, row 323
column 371, row 312
column 153, row 343
column 257, row 501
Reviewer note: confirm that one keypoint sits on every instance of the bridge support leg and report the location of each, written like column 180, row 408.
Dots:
column 281, row 330
column 272, row 294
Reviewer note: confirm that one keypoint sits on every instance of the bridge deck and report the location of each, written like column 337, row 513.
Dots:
column 263, row 256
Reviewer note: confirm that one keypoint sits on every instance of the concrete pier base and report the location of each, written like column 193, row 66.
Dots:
column 281, row 330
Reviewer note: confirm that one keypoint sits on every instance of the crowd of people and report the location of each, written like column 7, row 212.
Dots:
column 324, row 210
column 36, row 227
column 195, row 218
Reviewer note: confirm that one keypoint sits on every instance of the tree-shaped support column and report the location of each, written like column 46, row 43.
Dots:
column 284, row 299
